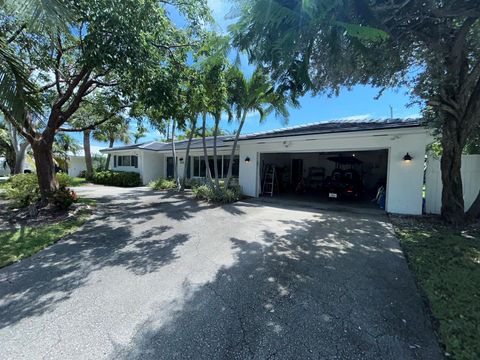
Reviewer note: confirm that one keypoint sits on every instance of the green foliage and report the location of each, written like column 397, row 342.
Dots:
column 218, row 196
column 22, row 243
column 446, row 264
column 63, row 198
column 163, row 184
column 117, row 178
column 64, row 180
column 23, row 190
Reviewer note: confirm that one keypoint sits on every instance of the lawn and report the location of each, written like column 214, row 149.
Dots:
column 447, row 267
column 26, row 241
column 76, row 181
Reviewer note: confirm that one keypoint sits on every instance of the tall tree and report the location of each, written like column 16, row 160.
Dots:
column 431, row 46
column 106, row 45
column 256, row 94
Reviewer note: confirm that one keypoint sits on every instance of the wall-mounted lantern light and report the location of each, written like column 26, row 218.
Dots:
column 247, row 160
column 181, row 160
column 407, row 158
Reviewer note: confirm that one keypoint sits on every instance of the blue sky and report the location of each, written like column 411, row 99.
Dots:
column 357, row 103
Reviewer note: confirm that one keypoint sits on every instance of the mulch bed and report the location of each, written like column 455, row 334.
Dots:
column 11, row 219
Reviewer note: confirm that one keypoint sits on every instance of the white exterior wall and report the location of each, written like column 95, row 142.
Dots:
column 76, row 164
column 153, row 166
column 404, row 180
column 433, row 183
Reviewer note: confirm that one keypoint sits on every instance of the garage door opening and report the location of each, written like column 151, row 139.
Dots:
column 353, row 178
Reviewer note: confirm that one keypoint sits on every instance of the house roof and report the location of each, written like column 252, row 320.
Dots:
column 167, row 146
column 326, row 127
column 337, row 126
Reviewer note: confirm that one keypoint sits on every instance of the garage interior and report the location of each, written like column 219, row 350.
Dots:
column 353, row 178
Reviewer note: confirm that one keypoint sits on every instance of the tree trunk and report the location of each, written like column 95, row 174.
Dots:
column 20, row 158
column 215, row 164
column 88, row 155
column 205, row 154
column 453, row 210
column 43, row 155
column 232, row 154
column 187, row 153
column 474, row 212
column 174, row 154
column 107, row 163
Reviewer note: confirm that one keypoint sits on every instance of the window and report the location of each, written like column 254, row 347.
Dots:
column 170, row 167
column 126, row 160
column 199, row 168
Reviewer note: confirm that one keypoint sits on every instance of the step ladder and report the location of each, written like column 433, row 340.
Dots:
column 270, row 182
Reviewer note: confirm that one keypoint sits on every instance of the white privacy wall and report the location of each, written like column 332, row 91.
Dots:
column 76, row 165
column 404, row 180
column 433, row 183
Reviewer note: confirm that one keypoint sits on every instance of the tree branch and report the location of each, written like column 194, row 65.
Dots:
column 88, row 127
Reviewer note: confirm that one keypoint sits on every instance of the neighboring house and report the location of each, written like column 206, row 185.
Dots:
column 76, row 160
column 387, row 153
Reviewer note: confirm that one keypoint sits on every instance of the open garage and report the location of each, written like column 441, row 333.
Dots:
column 356, row 178
column 345, row 162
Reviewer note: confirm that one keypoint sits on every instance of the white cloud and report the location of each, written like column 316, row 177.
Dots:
column 356, row 117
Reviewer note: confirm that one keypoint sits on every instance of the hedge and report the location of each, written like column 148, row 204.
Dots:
column 117, row 178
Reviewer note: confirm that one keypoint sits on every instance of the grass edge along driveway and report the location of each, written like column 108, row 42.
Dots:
column 446, row 264
column 21, row 243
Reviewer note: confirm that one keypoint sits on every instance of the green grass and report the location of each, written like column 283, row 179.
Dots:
column 447, row 267
column 26, row 241
column 76, row 181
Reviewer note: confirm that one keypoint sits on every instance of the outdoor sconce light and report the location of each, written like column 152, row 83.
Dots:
column 181, row 160
column 247, row 160
column 407, row 158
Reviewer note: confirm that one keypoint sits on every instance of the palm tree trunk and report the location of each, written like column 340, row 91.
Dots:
column 187, row 153
column 232, row 154
column 215, row 165
column 174, row 154
column 107, row 163
column 205, row 154
column 88, row 155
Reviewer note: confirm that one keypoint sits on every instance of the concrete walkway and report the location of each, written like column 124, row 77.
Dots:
column 159, row 276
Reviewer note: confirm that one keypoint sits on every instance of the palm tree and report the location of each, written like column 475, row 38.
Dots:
column 256, row 94
column 116, row 129
column 16, row 89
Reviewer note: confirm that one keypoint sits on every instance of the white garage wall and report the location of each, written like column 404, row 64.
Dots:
column 405, row 180
column 433, row 182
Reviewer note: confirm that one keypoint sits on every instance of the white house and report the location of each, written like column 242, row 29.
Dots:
column 76, row 160
column 306, row 160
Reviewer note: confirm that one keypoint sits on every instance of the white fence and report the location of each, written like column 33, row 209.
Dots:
column 433, row 182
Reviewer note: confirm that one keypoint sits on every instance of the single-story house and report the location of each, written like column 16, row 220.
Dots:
column 369, row 155
column 76, row 160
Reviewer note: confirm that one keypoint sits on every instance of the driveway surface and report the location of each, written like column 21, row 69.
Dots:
column 159, row 276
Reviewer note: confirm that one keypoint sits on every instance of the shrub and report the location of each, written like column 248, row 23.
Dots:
column 220, row 196
column 64, row 180
column 82, row 174
column 117, row 178
column 23, row 190
column 163, row 184
column 63, row 198
column 195, row 182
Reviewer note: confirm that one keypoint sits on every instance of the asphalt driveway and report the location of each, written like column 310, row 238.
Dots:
column 158, row 276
